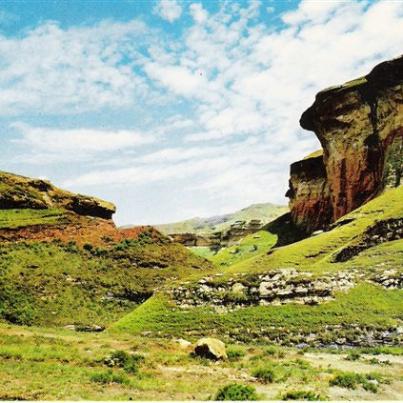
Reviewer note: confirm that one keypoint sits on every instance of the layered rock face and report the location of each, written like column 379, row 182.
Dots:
column 360, row 127
column 20, row 192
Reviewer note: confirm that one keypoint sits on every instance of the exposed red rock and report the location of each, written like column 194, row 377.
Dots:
column 360, row 127
column 309, row 194
column 81, row 219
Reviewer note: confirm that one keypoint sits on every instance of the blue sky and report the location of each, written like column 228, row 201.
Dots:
column 174, row 109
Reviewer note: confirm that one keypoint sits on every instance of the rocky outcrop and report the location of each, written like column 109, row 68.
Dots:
column 381, row 231
column 360, row 127
column 277, row 287
column 20, row 192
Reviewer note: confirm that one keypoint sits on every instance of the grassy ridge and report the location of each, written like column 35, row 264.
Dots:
column 52, row 283
column 365, row 304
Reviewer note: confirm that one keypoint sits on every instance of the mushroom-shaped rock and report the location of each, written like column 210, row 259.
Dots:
column 211, row 348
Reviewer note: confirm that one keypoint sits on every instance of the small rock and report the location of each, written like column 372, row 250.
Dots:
column 238, row 288
column 183, row 343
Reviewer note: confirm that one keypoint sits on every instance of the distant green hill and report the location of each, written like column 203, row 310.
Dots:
column 265, row 212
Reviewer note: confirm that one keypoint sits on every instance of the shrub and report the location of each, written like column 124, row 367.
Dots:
column 350, row 380
column 236, row 391
column 301, row 395
column 235, row 354
column 129, row 362
column 370, row 387
column 275, row 352
column 264, row 374
column 347, row 380
column 271, row 350
column 109, row 377
column 353, row 356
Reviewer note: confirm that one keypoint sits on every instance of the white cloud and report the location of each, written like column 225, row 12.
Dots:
column 71, row 71
column 55, row 144
column 231, row 88
column 169, row 10
column 198, row 13
column 177, row 79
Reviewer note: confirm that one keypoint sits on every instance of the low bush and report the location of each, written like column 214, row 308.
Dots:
column 109, row 377
column 351, row 380
column 301, row 395
column 353, row 356
column 237, row 392
column 235, row 354
column 264, row 374
column 347, row 380
column 121, row 359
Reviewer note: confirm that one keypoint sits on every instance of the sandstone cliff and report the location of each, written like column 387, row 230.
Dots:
column 21, row 192
column 360, row 127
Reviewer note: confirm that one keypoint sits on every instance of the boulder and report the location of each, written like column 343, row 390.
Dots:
column 211, row 348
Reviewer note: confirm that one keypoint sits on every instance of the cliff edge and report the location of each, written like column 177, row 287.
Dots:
column 360, row 127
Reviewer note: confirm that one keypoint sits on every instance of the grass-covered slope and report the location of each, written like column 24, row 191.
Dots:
column 63, row 261
column 18, row 218
column 59, row 284
column 203, row 226
column 365, row 305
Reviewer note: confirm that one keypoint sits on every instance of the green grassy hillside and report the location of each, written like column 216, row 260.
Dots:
column 366, row 304
column 62, row 261
column 54, row 283
column 264, row 211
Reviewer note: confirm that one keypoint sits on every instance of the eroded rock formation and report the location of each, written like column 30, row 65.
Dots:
column 21, row 192
column 360, row 127
column 67, row 217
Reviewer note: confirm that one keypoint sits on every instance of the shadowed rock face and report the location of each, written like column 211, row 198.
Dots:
column 309, row 194
column 360, row 127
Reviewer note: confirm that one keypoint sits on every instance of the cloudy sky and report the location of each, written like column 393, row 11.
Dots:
column 174, row 109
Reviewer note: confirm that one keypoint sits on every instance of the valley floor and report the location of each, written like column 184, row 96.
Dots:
column 59, row 364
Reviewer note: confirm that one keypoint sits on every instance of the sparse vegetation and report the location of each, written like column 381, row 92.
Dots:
column 235, row 353
column 107, row 377
column 301, row 395
column 353, row 356
column 129, row 362
column 236, row 392
column 351, row 380
column 264, row 374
